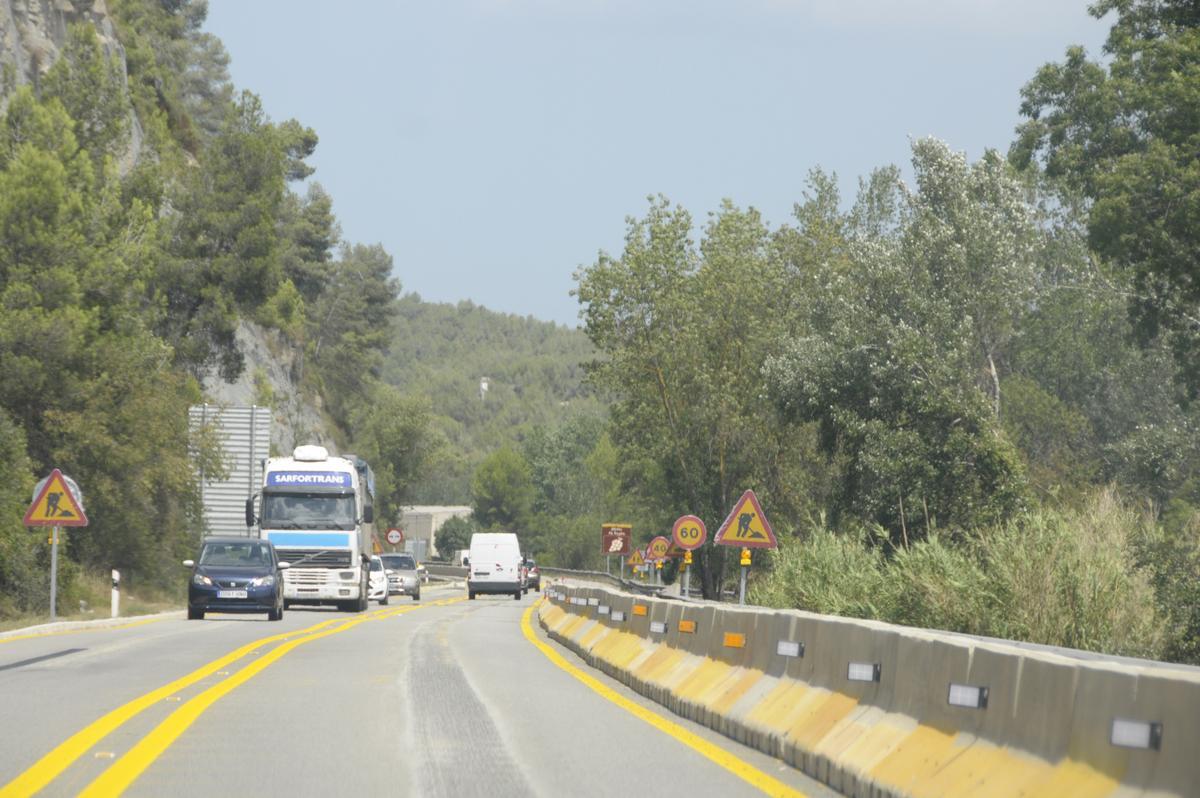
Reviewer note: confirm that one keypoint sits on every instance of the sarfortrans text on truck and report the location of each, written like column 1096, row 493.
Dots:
column 318, row 510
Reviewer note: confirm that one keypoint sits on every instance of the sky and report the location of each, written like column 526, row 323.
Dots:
column 495, row 146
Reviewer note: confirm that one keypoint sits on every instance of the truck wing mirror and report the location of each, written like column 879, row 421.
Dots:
column 250, row 519
column 466, row 562
column 368, row 514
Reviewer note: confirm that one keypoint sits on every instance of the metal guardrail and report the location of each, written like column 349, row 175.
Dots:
column 616, row 581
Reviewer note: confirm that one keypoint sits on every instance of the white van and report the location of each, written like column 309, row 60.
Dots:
column 495, row 564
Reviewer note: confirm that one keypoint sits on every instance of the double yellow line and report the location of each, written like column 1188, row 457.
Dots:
column 125, row 770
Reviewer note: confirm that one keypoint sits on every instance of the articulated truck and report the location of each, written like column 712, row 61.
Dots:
column 318, row 510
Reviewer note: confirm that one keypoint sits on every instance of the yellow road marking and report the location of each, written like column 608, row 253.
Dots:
column 53, row 633
column 62, row 756
column 738, row 767
column 126, row 770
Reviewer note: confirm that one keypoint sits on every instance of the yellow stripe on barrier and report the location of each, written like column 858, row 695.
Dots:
column 714, row 753
column 639, row 609
column 735, row 640
column 687, row 627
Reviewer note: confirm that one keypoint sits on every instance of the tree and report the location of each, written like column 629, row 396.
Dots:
column 349, row 324
column 683, row 334
column 91, row 87
column 904, row 338
column 393, row 432
column 1125, row 134
column 454, row 535
column 502, row 491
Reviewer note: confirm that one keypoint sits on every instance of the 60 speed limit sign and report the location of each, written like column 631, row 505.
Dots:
column 689, row 533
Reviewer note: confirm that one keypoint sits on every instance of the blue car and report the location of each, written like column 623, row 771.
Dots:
column 236, row 575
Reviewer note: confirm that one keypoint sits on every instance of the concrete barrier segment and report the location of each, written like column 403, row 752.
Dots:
column 1047, row 728
column 923, row 668
column 674, row 614
column 1172, row 699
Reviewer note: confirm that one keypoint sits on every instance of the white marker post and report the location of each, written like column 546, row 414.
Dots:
column 53, row 573
column 745, row 568
column 116, row 593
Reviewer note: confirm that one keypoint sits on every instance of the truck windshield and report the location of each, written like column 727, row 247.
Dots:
column 307, row 511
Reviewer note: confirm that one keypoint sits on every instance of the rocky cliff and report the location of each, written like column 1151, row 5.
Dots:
column 271, row 378
column 32, row 33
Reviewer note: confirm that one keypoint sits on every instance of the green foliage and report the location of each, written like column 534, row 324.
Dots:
column 393, row 433
column 684, row 332
column 21, row 574
column 349, row 324
column 454, row 535
column 904, row 337
column 91, row 88
column 1124, row 133
column 502, row 491
column 225, row 240
column 827, row 573
column 1079, row 579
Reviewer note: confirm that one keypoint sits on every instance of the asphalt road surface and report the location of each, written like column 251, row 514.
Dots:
column 443, row 697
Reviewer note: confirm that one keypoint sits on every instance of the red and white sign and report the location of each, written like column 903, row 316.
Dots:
column 395, row 535
column 689, row 533
column 747, row 526
column 657, row 550
column 56, row 502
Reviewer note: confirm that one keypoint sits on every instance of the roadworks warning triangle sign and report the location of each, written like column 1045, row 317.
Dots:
column 636, row 559
column 747, row 526
column 55, row 505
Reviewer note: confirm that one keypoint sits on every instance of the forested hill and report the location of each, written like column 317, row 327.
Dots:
column 533, row 371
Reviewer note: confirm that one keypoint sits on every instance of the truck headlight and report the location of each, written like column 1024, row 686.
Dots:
column 349, row 576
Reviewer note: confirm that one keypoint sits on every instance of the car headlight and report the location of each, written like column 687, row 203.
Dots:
column 201, row 579
column 263, row 581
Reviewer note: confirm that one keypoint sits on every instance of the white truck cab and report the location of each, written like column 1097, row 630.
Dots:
column 317, row 509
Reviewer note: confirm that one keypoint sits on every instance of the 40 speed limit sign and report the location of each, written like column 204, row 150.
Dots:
column 689, row 533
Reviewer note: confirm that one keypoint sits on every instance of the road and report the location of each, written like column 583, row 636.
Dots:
column 445, row 697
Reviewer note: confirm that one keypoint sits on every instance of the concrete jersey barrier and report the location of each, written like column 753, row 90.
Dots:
column 874, row 709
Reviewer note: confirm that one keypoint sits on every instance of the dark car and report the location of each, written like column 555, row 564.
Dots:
column 236, row 575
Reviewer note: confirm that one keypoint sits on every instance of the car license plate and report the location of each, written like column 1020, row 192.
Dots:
column 231, row 594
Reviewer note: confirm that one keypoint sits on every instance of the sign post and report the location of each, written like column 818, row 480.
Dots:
column 689, row 534
column 745, row 570
column 57, row 502
column 615, row 539
column 746, row 526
